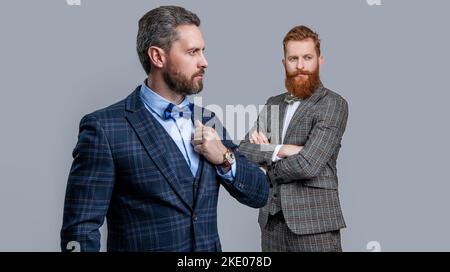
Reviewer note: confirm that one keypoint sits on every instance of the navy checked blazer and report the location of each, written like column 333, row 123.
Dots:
column 123, row 170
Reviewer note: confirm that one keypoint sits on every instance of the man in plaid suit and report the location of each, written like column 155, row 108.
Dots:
column 152, row 163
column 297, row 140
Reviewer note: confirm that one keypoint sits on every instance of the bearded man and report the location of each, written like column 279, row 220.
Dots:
column 147, row 165
column 297, row 139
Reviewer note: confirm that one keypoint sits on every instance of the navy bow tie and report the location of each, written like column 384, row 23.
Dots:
column 289, row 98
column 173, row 112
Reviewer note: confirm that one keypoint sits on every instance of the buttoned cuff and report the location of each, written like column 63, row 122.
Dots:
column 228, row 176
column 275, row 153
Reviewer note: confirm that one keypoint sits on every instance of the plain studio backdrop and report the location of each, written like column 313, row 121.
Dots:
column 59, row 62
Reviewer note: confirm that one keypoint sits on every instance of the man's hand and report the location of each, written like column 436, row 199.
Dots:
column 284, row 152
column 289, row 150
column 207, row 142
column 258, row 138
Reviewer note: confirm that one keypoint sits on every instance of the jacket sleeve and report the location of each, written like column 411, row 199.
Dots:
column 251, row 185
column 324, row 140
column 89, row 187
column 260, row 154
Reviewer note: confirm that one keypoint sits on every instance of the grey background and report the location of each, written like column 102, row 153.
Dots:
column 59, row 62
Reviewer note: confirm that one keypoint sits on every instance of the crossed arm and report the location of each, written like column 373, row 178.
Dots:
column 283, row 152
column 280, row 152
column 301, row 162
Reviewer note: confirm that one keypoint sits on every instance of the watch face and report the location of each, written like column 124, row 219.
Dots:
column 230, row 157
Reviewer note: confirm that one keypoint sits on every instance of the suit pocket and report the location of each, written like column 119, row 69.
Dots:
column 324, row 183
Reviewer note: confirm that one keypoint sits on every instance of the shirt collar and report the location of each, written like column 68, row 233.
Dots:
column 156, row 102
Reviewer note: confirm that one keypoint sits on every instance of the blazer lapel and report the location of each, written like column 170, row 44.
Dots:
column 282, row 113
column 304, row 105
column 148, row 131
column 206, row 167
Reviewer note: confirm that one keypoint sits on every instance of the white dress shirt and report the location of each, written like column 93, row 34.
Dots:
column 290, row 110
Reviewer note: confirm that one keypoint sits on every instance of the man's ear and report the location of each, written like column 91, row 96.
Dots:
column 157, row 56
column 284, row 62
column 321, row 60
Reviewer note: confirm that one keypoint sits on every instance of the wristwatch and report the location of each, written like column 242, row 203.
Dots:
column 228, row 158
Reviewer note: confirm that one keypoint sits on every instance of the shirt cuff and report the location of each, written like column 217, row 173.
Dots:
column 275, row 153
column 228, row 176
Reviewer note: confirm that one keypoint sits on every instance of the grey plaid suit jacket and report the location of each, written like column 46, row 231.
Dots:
column 308, row 181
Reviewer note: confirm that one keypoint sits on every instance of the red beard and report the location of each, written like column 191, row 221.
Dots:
column 302, row 87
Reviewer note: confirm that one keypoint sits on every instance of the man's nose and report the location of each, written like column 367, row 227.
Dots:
column 300, row 65
column 203, row 62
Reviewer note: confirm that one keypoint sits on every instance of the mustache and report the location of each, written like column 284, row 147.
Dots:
column 302, row 72
column 199, row 73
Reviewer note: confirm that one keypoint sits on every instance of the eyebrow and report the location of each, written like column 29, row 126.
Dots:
column 296, row 56
column 196, row 48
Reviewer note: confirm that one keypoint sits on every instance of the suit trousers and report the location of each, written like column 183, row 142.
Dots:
column 277, row 237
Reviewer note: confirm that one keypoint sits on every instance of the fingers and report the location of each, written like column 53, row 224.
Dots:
column 198, row 124
column 254, row 138
column 198, row 133
column 197, row 141
column 202, row 135
column 258, row 138
column 199, row 148
column 263, row 138
column 210, row 134
column 202, row 131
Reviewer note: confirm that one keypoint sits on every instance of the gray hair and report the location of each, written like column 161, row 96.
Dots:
column 158, row 28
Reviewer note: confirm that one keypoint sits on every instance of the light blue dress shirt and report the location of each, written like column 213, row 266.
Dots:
column 180, row 130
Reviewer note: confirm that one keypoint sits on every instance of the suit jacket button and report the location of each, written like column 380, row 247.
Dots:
column 195, row 218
